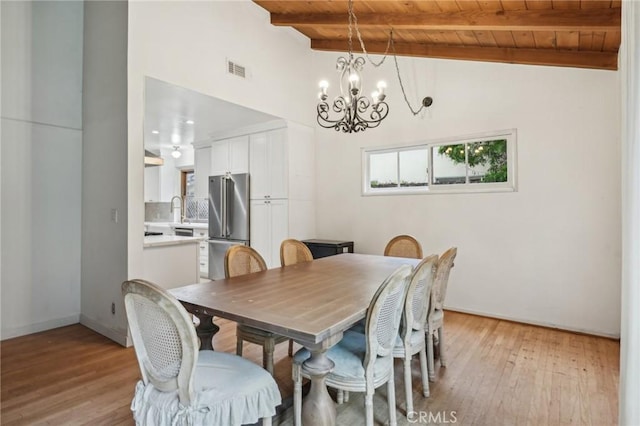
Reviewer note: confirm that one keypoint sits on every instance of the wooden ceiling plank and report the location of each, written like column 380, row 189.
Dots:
column 568, row 40
column 566, row 4
column 598, row 41
column 504, row 38
column 611, row 41
column 516, row 20
column 545, row 39
column 514, row 5
column 524, row 39
column 550, row 57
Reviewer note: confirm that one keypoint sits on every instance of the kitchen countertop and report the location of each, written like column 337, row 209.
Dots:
column 169, row 240
column 194, row 225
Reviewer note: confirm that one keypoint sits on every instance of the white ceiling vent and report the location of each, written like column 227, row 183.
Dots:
column 236, row 69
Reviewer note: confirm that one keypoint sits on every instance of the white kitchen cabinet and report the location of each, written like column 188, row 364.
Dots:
column 269, row 227
column 268, row 164
column 202, row 171
column 230, row 156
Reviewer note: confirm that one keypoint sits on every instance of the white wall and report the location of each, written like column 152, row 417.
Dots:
column 104, row 172
column 548, row 253
column 41, row 165
column 187, row 44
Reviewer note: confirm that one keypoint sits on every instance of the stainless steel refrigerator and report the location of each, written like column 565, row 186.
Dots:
column 228, row 218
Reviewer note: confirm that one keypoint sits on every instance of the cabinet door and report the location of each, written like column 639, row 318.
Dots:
column 258, row 166
column 279, row 228
column 277, row 163
column 239, row 154
column 260, row 222
column 219, row 157
column 202, row 170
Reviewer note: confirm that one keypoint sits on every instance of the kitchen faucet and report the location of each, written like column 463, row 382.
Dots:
column 181, row 206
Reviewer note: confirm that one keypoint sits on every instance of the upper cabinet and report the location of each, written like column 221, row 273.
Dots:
column 268, row 164
column 202, row 169
column 230, row 156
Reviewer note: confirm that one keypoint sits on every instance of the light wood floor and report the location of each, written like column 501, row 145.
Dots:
column 499, row 373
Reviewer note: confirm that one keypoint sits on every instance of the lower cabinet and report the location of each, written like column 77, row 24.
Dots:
column 269, row 227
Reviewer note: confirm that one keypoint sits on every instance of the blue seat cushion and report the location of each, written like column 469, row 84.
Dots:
column 348, row 356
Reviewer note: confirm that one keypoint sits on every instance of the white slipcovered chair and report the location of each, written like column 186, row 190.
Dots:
column 364, row 362
column 181, row 385
column 435, row 317
column 411, row 339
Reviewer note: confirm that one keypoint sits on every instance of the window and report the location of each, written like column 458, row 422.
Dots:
column 478, row 163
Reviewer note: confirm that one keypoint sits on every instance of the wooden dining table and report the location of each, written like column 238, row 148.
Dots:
column 312, row 303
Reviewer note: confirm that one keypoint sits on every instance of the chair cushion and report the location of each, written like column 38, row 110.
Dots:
column 229, row 390
column 348, row 355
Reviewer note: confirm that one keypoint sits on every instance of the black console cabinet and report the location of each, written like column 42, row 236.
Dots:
column 324, row 248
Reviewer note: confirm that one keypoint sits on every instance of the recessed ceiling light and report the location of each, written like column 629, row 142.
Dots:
column 155, row 132
column 189, row 121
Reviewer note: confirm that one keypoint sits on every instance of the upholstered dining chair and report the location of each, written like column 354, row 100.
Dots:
column 294, row 251
column 435, row 317
column 403, row 246
column 364, row 362
column 411, row 339
column 241, row 260
column 181, row 385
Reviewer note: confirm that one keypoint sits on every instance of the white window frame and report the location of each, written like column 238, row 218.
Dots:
column 509, row 186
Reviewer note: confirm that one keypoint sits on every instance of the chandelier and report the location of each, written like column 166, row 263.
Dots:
column 355, row 111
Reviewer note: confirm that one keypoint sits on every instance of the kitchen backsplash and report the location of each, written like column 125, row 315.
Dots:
column 196, row 210
column 158, row 212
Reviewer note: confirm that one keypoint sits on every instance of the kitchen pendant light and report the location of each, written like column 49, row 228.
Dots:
column 176, row 152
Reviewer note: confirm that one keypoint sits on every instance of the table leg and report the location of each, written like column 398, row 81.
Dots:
column 205, row 331
column 318, row 408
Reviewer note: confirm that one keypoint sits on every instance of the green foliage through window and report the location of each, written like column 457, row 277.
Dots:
column 492, row 154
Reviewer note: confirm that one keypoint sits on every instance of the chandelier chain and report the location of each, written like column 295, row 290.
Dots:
column 352, row 17
column 353, row 20
column 404, row 93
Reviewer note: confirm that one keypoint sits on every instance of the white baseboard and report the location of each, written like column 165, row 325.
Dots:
column 533, row 322
column 8, row 333
column 116, row 335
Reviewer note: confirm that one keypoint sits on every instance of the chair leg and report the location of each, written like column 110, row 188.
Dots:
column 290, row 348
column 239, row 342
column 266, row 421
column 443, row 359
column 368, row 407
column 391, row 400
column 267, row 354
column 297, row 395
column 408, row 392
column 346, row 396
column 430, row 362
column 340, row 396
column 424, row 372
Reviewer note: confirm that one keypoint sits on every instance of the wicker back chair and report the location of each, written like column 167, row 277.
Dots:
column 364, row 362
column 294, row 251
column 166, row 346
column 435, row 317
column 241, row 260
column 403, row 246
column 412, row 330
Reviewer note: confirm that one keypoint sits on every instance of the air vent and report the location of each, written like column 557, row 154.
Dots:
column 235, row 69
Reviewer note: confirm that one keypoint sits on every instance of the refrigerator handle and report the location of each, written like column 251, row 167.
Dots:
column 223, row 203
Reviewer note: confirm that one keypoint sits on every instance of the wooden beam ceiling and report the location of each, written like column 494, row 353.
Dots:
column 516, row 20
column 568, row 33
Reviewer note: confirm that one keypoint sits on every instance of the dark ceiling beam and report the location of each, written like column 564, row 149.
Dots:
column 513, row 20
column 562, row 58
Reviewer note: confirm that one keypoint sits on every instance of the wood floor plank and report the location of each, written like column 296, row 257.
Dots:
column 498, row 372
